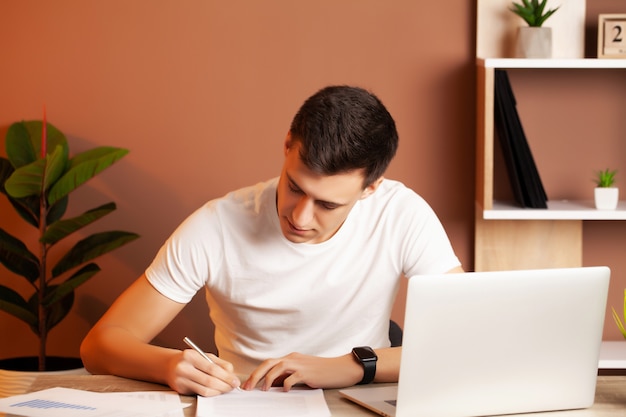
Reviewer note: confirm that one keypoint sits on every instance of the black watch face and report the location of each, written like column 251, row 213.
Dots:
column 364, row 353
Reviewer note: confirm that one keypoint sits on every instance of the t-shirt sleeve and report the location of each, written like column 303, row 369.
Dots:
column 426, row 248
column 181, row 267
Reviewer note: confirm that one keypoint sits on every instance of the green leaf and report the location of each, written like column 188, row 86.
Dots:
column 92, row 247
column 542, row 19
column 83, row 167
column 77, row 279
column 605, row 178
column 16, row 257
column 13, row 303
column 533, row 12
column 619, row 323
column 55, row 313
column 102, row 153
column 539, row 7
column 56, row 211
column 34, row 178
column 27, row 208
column 6, row 169
column 19, row 147
column 60, row 229
column 23, row 141
column 27, row 180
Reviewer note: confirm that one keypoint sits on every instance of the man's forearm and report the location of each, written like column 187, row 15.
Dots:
column 113, row 351
column 388, row 364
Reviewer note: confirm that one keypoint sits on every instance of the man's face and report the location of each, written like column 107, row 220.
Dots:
column 312, row 207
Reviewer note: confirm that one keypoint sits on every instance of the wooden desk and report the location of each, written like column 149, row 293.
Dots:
column 610, row 394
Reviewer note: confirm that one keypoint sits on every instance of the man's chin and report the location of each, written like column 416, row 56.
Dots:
column 296, row 236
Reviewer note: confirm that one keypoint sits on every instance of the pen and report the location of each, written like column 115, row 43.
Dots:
column 195, row 347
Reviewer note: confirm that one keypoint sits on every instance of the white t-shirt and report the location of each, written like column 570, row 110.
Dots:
column 269, row 297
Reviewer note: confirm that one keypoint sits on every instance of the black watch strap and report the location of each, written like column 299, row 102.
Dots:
column 366, row 356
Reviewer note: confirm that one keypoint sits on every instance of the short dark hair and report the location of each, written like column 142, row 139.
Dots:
column 343, row 128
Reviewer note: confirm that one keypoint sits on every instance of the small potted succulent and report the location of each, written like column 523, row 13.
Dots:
column 621, row 324
column 37, row 178
column 534, row 40
column 606, row 195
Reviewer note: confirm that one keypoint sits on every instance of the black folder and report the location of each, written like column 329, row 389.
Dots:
column 523, row 174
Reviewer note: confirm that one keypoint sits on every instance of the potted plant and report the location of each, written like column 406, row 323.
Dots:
column 37, row 178
column 606, row 195
column 534, row 40
column 621, row 325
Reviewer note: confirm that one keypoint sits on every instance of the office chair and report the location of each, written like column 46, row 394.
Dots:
column 395, row 334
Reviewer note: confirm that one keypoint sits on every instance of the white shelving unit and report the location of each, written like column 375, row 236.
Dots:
column 612, row 355
column 573, row 63
column 557, row 210
column 506, row 235
column 511, row 237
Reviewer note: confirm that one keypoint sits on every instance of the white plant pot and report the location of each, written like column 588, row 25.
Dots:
column 606, row 198
column 534, row 42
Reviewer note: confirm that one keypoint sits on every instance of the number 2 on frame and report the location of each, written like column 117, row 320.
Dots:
column 612, row 36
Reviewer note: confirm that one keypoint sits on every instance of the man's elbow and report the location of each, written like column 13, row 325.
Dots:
column 89, row 354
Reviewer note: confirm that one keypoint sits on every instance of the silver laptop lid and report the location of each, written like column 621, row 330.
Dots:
column 488, row 343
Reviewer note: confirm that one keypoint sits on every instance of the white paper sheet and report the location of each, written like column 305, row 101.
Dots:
column 273, row 403
column 169, row 397
column 66, row 402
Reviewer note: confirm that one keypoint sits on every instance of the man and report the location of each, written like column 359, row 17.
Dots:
column 298, row 270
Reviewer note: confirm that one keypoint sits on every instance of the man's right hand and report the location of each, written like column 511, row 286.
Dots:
column 190, row 373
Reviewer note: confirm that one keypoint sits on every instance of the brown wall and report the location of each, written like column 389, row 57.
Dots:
column 202, row 93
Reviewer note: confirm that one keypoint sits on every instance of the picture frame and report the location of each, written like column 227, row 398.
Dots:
column 612, row 36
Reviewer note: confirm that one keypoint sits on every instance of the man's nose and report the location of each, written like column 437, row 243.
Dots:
column 303, row 212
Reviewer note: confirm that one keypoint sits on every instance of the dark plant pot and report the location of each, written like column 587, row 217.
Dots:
column 31, row 363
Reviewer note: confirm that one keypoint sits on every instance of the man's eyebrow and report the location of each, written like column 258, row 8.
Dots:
column 330, row 203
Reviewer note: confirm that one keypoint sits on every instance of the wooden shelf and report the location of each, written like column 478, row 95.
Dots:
column 557, row 210
column 574, row 63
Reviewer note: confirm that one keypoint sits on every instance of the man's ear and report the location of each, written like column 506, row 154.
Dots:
column 288, row 143
column 370, row 189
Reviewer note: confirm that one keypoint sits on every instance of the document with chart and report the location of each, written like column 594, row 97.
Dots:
column 66, row 402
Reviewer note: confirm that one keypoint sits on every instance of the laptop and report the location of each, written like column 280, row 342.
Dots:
column 489, row 343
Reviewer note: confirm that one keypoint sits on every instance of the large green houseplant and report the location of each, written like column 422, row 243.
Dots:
column 37, row 178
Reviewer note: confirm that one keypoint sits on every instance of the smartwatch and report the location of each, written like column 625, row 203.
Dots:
column 366, row 356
